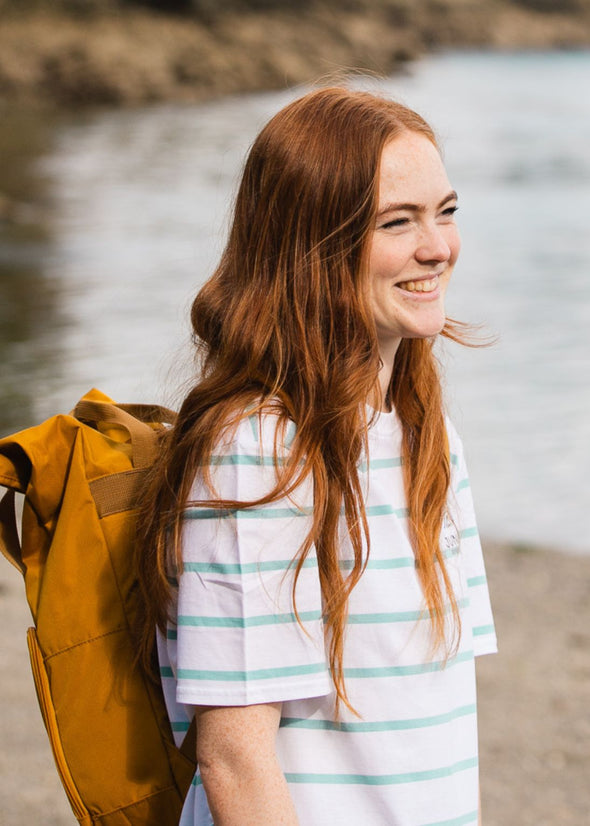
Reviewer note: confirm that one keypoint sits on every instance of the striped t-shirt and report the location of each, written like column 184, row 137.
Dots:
column 410, row 757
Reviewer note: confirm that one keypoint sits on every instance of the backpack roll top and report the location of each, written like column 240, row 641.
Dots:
column 81, row 475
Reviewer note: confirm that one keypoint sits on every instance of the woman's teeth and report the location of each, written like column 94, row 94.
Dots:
column 419, row 286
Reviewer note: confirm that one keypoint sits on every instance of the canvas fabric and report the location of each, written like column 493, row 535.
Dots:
column 107, row 723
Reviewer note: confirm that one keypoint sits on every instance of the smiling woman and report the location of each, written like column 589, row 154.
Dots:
column 308, row 549
column 414, row 246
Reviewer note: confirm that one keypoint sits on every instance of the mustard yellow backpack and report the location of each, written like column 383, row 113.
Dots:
column 106, row 720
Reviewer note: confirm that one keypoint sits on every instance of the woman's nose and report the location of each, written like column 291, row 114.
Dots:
column 433, row 245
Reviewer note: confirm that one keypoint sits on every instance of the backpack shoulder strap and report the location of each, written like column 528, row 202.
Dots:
column 118, row 492
column 137, row 419
column 142, row 435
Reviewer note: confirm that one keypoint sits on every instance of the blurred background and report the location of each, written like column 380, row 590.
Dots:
column 123, row 127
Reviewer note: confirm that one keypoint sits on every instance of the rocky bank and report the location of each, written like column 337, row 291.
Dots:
column 88, row 52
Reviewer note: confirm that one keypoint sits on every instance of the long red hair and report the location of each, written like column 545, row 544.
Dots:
column 286, row 321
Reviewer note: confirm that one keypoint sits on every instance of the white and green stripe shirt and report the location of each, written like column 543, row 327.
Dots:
column 410, row 757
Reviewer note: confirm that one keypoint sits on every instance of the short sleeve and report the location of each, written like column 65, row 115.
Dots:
column 479, row 611
column 240, row 639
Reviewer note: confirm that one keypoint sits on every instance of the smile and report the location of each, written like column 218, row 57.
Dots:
column 423, row 286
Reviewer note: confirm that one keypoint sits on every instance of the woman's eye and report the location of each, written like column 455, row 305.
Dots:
column 450, row 211
column 396, row 222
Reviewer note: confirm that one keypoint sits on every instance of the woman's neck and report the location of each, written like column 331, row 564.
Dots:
column 381, row 399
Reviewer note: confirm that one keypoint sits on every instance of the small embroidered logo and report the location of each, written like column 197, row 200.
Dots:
column 449, row 538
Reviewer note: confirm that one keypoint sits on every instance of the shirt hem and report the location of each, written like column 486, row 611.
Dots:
column 490, row 648
column 277, row 694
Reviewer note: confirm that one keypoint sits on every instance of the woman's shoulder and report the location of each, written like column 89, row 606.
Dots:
column 455, row 441
column 263, row 430
column 456, row 452
column 247, row 455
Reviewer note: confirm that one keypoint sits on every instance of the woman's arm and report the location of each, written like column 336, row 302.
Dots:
column 239, row 768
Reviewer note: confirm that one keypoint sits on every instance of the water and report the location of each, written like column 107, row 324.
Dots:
column 122, row 215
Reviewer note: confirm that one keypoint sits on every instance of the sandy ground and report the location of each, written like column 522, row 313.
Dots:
column 534, row 700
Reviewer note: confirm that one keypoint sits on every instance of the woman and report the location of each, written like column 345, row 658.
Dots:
column 309, row 550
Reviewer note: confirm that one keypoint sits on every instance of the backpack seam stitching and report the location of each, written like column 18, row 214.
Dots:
column 85, row 642
column 126, row 806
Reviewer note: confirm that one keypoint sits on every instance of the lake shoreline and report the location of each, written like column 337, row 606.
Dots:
column 128, row 56
column 534, row 728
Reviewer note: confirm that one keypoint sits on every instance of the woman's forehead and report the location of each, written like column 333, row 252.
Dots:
column 411, row 170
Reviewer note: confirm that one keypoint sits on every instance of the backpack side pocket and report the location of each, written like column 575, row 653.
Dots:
column 48, row 713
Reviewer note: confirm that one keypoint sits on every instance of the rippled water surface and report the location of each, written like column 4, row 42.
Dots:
column 113, row 219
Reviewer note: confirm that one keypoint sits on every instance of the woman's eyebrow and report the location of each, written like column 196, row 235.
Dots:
column 393, row 207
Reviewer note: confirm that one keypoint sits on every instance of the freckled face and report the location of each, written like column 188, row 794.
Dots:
column 414, row 245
